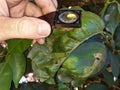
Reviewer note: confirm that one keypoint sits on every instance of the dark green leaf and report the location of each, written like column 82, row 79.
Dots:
column 5, row 76
column 108, row 78
column 17, row 64
column 117, row 37
column 86, row 60
column 33, row 86
column 26, row 86
column 15, row 57
column 18, row 45
column 97, row 86
column 111, row 15
column 114, row 65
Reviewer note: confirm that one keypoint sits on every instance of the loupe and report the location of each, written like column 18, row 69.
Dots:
column 68, row 18
column 63, row 18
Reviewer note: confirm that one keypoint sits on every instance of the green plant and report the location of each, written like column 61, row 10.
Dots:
column 70, row 57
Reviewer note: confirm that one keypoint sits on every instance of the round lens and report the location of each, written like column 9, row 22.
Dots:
column 68, row 17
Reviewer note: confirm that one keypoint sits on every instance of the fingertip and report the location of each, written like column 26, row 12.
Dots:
column 44, row 29
column 41, row 40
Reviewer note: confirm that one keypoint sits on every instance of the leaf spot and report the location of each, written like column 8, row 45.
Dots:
column 98, row 56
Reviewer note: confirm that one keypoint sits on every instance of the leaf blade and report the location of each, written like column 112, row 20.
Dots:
column 17, row 64
column 6, row 76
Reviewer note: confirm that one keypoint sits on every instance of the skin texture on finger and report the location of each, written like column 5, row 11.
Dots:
column 46, row 6
column 32, row 10
column 24, row 7
column 26, row 27
column 3, row 8
column 55, row 3
column 12, row 3
column 19, row 9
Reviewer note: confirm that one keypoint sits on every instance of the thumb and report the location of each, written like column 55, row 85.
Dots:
column 25, row 27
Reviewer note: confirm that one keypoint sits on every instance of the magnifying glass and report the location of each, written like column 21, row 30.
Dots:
column 64, row 18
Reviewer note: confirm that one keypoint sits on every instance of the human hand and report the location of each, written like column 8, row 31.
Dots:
column 17, row 19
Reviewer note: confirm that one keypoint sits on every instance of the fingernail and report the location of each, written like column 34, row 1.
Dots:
column 41, row 40
column 44, row 29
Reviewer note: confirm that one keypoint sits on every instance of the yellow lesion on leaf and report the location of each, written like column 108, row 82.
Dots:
column 71, row 16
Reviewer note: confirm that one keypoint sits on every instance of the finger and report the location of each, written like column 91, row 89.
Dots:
column 46, row 6
column 26, row 27
column 12, row 3
column 55, row 3
column 32, row 10
column 19, row 9
column 3, row 8
column 41, row 40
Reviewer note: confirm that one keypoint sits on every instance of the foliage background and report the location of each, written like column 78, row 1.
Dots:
column 14, row 61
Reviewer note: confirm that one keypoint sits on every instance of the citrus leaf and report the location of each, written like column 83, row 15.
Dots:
column 42, row 59
column 96, row 86
column 114, row 65
column 108, row 78
column 48, row 58
column 18, row 45
column 26, row 86
column 86, row 60
column 117, row 37
column 111, row 15
column 15, row 57
column 33, row 86
column 17, row 64
column 6, row 76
